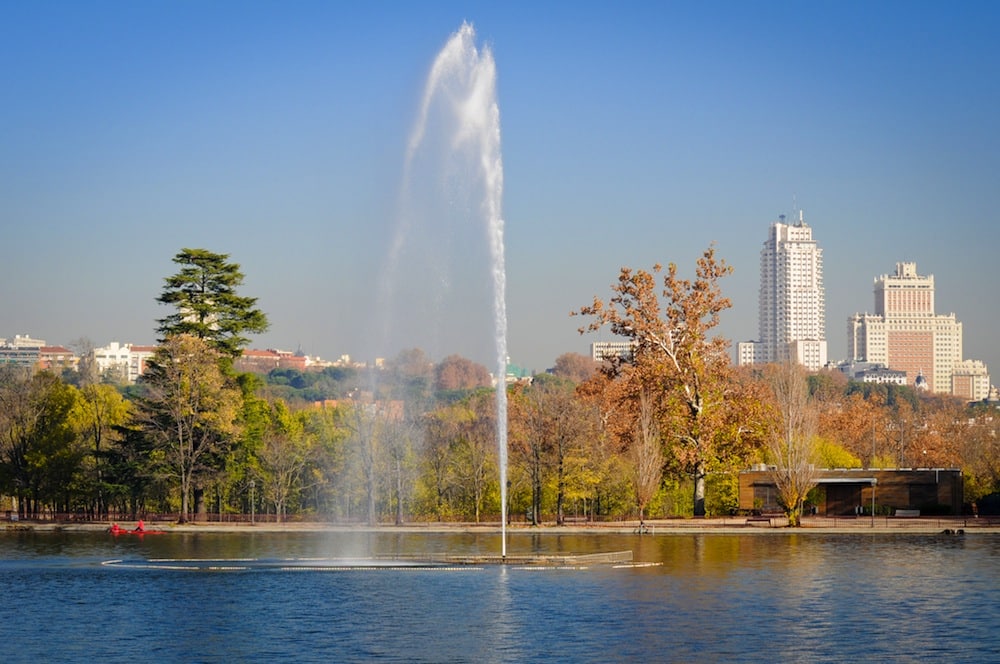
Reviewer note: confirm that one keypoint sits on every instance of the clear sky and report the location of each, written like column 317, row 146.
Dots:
column 633, row 133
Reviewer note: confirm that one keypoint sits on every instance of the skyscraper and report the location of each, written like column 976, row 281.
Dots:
column 904, row 333
column 792, row 314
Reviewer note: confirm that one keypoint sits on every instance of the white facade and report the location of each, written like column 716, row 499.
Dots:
column 746, row 352
column 904, row 333
column 25, row 341
column 809, row 353
column 792, row 308
column 606, row 350
column 113, row 356
column 127, row 359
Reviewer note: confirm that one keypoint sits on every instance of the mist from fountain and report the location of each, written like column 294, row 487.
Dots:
column 454, row 171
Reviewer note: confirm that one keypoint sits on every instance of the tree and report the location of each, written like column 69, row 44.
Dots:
column 458, row 373
column 207, row 304
column 675, row 358
column 326, row 466
column 86, row 367
column 284, row 455
column 528, row 446
column 408, row 376
column 647, row 455
column 442, row 429
column 981, row 453
column 550, row 427
column 575, row 367
column 370, row 423
column 475, row 452
column 190, row 408
column 39, row 460
column 100, row 413
column 854, row 422
column 792, row 445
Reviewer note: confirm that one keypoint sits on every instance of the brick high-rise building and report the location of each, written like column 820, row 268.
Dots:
column 904, row 333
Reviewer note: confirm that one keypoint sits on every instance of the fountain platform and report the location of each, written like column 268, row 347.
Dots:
column 540, row 559
column 394, row 562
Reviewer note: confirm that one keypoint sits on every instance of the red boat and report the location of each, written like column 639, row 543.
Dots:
column 115, row 529
column 124, row 531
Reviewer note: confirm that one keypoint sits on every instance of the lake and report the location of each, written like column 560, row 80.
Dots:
column 764, row 596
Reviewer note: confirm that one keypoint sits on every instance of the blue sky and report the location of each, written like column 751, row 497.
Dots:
column 633, row 133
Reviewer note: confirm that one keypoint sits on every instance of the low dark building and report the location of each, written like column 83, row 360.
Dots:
column 842, row 492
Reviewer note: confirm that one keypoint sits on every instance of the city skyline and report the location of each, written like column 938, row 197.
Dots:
column 631, row 136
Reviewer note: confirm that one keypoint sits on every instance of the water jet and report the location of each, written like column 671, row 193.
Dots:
column 454, row 170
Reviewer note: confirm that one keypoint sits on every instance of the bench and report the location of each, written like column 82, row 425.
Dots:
column 765, row 517
column 575, row 519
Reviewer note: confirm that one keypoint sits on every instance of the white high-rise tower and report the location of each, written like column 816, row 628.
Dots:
column 792, row 308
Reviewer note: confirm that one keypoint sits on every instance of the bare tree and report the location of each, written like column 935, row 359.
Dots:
column 475, row 452
column 647, row 454
column 792, row 445
column 442, row 429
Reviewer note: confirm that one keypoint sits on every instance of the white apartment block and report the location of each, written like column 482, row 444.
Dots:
column 746, row 352
column 792, row 308
column 25, row 341
column 607, row 350
column 904, row 333
column 127, row 359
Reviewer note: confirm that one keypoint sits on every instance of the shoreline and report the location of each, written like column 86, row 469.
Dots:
column 653, row 528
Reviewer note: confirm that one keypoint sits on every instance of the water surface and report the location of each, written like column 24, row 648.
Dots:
column 756, row 597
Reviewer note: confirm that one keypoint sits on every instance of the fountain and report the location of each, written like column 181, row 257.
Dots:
column 453, row 167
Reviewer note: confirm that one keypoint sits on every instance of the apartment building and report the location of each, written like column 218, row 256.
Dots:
column 792, row 308
column 904, row 333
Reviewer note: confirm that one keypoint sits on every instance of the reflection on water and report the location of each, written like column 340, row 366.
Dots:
column 772, row 597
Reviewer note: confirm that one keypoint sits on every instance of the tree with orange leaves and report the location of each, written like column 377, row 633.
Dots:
column 684, row 373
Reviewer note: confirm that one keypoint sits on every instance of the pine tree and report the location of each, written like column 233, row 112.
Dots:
column 207, row 304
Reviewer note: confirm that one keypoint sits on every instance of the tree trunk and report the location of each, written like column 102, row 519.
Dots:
column 536, row 488
column 699, row 488
column 199, row 501
column 371, row 501
column 560, row 488
column 399, row 492
column 185, row 492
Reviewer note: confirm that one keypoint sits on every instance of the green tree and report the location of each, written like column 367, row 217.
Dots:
column 284, row 457
column 369, row 423
column 191, row 409
column 476, row 453
column 39, row 458
column 207, row 304
column 100, row 412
